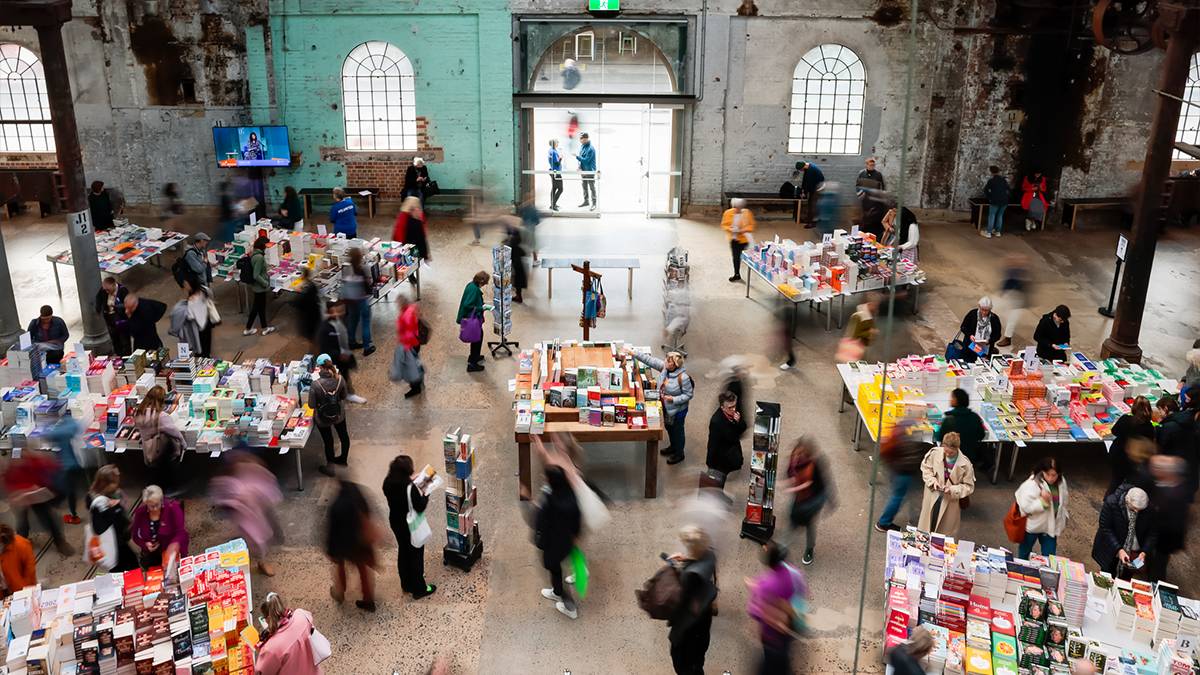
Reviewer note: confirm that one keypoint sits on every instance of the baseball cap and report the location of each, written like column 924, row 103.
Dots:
column 583, row 135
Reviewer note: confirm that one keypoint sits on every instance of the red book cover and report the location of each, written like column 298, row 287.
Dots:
column 753, row 513
column 1002, row 622
column 980, row 607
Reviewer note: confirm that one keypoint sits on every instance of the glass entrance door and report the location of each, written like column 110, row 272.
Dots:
column 662, row 178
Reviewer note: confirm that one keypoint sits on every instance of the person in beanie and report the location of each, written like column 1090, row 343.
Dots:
column 1053, row 334
column 197, row 259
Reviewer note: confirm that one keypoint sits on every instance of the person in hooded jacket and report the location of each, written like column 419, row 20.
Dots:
column 1042, row 499
column 556, row 528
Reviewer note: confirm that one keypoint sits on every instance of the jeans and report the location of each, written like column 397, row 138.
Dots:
column 327, row 436
column 1049, row 544
column 259, row 308
column 359, row 310
column 556, row 584
column 995, row 218
column 900, row 483
column 589, row 182
column 556, row 189
column 676, row 434
column 737, row 247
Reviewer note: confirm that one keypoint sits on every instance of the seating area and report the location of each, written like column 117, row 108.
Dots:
column 1070, row 207
column 979, row 208
column 753, row 198
column 470, row 196
column 326, row 195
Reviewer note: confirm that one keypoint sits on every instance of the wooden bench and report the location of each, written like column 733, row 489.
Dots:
column 549, row 264
column 1070, row 207
column 307, row 194
column 470, row 195
column 764, row 198
column 979, row 212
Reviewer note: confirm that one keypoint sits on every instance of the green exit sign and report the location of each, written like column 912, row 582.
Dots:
column 604, row 5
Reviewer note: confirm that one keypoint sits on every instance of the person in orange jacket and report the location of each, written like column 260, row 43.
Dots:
column 17, row 564
column 738, row 224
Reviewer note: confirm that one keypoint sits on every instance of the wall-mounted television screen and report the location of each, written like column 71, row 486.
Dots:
column 252, row 146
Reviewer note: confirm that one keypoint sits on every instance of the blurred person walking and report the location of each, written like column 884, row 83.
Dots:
column 675, row 389
column 141, row 317
column 358, row 288
column 410, row 227
column 229, row 214
column 30, row 484
column 1178, row 437
column 62, row 436
column 968, row 425
column 110, row 304
column 471, row 309
column 162, row 442
column 906, row 658
column 286, row 646
column 738, row 223
column 325, row 397
column 203, row 311
column 810, row 184
column 107, row 510
column 1163, row 481
column 409, row 327
column 310, row 309
column 333, row 340
column 159, row 529
column 520, row 277
column 1135, row 432
column 1128, row 531
column 811, row 488
column 351, row 538
column 1042, row 499
column 403, row 499
column 171, row 206
column 902, row 454
column 247, row 492
column 260, row 286
column 557, row 524
column 773, row 596
column 18, row 566
column 949, row 478
column 691, row 627
column 1014, row 291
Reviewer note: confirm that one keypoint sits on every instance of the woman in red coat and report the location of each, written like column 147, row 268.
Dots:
column 1034, row 200
column 410, row 227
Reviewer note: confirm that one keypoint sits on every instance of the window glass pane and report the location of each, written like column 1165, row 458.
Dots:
column 828, row 92
column 808, row 146
column 410, row 129
column 793, row 145
column 823, row 145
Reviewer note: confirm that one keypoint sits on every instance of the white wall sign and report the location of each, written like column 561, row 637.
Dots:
column 80, row 222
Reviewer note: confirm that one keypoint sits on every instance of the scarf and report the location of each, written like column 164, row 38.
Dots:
column 983, row 327
column 1131, row 534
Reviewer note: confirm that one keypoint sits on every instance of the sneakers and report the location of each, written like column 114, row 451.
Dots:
column 250, row 331
column 582, row 205
column 355, row 398
column 369, row 350
column 268, row 330
column 70, row 519
column 571, row 612
column 736, row 277
column 430, row 589
column 808, row 557
column 570, row 579
column 1028, row 224
column 474, row 367
column 996, row 235
column 985, row 234
column 266, row 568
column 787, row 366
column 548, row 593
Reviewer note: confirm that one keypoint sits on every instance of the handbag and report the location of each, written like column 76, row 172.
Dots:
column 470, row 329
column 593, row 513
column 321, row 648
column 956, row 346
column 418, row 529
column 1014, row 524
column 431, row 190
column 601, row 301
column 406, row 366
column 100, row 549
column 849, row 350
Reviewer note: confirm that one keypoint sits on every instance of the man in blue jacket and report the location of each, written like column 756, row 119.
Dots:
column 343, row 215
column 808, row 190
column 587, row 162
column 50, row 333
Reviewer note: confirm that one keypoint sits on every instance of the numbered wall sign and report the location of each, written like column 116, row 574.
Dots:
column 81, row 223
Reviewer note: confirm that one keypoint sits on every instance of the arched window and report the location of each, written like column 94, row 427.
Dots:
column 378, row 100
column 827, row 102
column 1188, row 130
column 24, row 107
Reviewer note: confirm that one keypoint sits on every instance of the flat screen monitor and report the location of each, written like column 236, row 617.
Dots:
column 252, row 146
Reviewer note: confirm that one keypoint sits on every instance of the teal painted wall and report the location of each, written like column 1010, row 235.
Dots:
column 463, row 83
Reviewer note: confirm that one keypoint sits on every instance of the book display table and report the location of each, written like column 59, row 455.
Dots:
column 560, row 383
column 121, row 248
column 993, row 614
column 1021, row 401
column 216, row 404
column 831, row 271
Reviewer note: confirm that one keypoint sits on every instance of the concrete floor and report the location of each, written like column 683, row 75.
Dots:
column 493, row 620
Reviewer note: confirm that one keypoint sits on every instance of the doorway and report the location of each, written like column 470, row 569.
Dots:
column 637, row 157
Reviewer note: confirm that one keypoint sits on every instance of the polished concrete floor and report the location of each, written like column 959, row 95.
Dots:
column 493, row 620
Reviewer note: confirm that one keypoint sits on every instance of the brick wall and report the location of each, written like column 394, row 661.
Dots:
column 32, row 160
column 388, row 175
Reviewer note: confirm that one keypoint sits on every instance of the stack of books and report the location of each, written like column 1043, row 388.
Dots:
column 1168, row 611
column 1072, row 590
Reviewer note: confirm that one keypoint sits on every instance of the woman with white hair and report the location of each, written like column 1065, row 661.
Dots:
column 410, row 227
column 1128, row 529
column 1191, row 378
column 738, row 224
column 692, row 624
column 416, row 180
column 158, row 529
column 980, row 329
column 675, row 391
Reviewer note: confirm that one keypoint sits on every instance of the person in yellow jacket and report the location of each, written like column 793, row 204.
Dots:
column 738, row 224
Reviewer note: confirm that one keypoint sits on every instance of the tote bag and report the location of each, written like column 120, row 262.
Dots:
column 471, row 328
column 321, row 648
column 1014, row 524
column 100, row 549
column 418, row 529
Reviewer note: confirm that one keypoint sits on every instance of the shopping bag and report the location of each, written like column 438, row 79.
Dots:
column 321, row 648
column 1014, row 524
column 849, row 350
column 100, row 549
column 601, row 301
column 579, row 567
column 471, row 328
column 418, row 528
column 406, row 366
column 955, row 348
column 592, row 510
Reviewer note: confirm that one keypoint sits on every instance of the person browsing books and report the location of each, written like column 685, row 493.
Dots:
column 1053, row 334
column 286, row 646
column 159, row 529
column 949, row 477
column 1128, row 530
column 980, row 329
column 402, row 496
column 963, row 421
column 49, row 333
column 107, row 511
column 675, row 391
column 1042, row 499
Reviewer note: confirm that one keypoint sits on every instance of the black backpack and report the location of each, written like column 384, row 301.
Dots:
column 245, row 270
column 180, row 269
column 332, row 407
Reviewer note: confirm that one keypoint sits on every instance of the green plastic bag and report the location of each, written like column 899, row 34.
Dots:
column 579, row 565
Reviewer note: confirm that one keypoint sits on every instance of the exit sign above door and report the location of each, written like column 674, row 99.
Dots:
column 604, row 5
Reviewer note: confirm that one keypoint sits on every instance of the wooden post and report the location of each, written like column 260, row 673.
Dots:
column 588, row 275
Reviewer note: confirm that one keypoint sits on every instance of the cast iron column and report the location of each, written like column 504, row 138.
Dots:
column 10, row 323
column 70, row 165
column 1123, row 342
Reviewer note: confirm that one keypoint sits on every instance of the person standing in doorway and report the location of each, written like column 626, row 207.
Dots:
column 587, row 162
column 101, row 207
column 996, row 193
column 738, row 224
column 260, row 286
column 813, row 178
column 402, row 497
column 556, row 181
column 1034, row 202
column 871, row 174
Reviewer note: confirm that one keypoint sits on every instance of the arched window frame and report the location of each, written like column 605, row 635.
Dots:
column 24, row 105
column 828, row 94
column 1188, row 130
column 378, row 98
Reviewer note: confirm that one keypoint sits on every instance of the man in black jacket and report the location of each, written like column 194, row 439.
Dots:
column 1163, row 480
column 1115, row 544
column 110, row 304
column 334, row 340
column 870, row 174
column 691, row 628
column 996, row 193
column 1053, row 334
column 808, row 190
column 141, row 315
column 558, row 525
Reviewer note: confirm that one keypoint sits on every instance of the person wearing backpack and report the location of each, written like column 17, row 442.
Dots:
column 692, row 624
column 777, row 598
column 675, row 390
column 196, row 259
column 325, row 397
column 260, row 283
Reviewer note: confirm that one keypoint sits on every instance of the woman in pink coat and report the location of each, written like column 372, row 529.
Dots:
column 285, row 648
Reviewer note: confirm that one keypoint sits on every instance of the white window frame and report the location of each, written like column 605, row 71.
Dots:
column 378, row 99
column 1188, row 130
column 24, row 105
column 828, row 101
